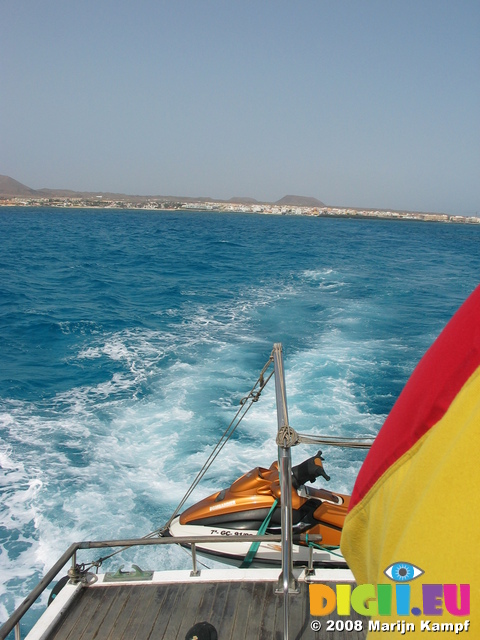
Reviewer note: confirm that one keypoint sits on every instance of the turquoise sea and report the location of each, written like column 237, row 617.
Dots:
column 128, row 338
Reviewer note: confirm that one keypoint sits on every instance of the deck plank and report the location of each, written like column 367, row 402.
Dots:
column 117, row 606
column 171, row 616
column 243, row 611
column 191, row 607
column 228, row 618
column 218, row 611
column 205, row 609
column 129, row 616
column 101, row 612
column 300, row 619
column 238, row 610
column 157, row 615
column 89, row 616
column 131, row 619
column 78, row 617
column 267, row 629
column 256, row 610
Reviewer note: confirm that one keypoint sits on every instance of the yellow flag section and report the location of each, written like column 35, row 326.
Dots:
column 414, row 519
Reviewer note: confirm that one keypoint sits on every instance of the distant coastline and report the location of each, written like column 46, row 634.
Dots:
column 15, row 194
column 229, row 207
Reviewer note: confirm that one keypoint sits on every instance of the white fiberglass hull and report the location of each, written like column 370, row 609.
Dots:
column 268, row 553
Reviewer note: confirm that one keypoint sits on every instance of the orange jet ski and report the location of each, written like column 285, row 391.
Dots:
column 251, row 505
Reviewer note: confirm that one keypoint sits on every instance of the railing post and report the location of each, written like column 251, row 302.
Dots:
column 73, row 573
column 309, row 571
column 287, row 583
column 195, row 572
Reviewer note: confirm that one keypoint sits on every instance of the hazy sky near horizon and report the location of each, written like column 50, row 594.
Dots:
column 369, row 103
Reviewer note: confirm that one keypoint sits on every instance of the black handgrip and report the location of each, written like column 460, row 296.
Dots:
column 308, row 471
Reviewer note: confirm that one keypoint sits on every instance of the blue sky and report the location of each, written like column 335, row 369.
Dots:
column 369, row 103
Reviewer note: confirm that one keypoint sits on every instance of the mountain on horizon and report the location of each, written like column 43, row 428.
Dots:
column 300, row 201
column 14, row 188
column 246, row 200
column 9, row 187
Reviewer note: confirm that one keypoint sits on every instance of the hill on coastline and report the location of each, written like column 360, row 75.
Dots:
column 14, row 193
column 243, row 201
column 300, row 201
column 12, row 188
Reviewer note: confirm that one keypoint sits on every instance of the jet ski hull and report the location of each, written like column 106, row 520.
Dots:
column 251, row 504
column 267, row 555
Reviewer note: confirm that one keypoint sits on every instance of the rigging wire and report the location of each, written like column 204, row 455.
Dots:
column 253, row 396
column 287, row 434
column 245, row 405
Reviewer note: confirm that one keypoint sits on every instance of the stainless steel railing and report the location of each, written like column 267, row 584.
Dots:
column 71, row 553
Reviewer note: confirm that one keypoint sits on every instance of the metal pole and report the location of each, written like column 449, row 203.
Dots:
column 287, row 582
column 195, row 572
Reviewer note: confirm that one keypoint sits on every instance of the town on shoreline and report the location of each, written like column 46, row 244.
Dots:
column 156, row 204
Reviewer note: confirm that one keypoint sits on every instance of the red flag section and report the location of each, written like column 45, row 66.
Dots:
column 416, row 500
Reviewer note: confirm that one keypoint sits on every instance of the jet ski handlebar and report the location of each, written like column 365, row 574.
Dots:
column 308, row 471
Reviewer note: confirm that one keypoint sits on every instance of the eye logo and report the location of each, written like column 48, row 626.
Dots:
column 376, row 599
column 403, row 572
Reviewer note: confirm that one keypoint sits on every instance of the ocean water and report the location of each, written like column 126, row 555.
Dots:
column 128, row 338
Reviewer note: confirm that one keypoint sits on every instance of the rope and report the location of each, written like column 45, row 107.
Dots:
column 287, row 437
column 328, row 548
column 255, row 545
column 333, row 441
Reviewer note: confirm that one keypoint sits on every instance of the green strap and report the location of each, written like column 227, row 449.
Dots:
column 254, row 546
column 329, row 548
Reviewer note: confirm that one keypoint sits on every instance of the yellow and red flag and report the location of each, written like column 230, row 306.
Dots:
column 416, row 500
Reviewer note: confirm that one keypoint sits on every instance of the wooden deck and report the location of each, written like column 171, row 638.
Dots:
column 238, row 610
